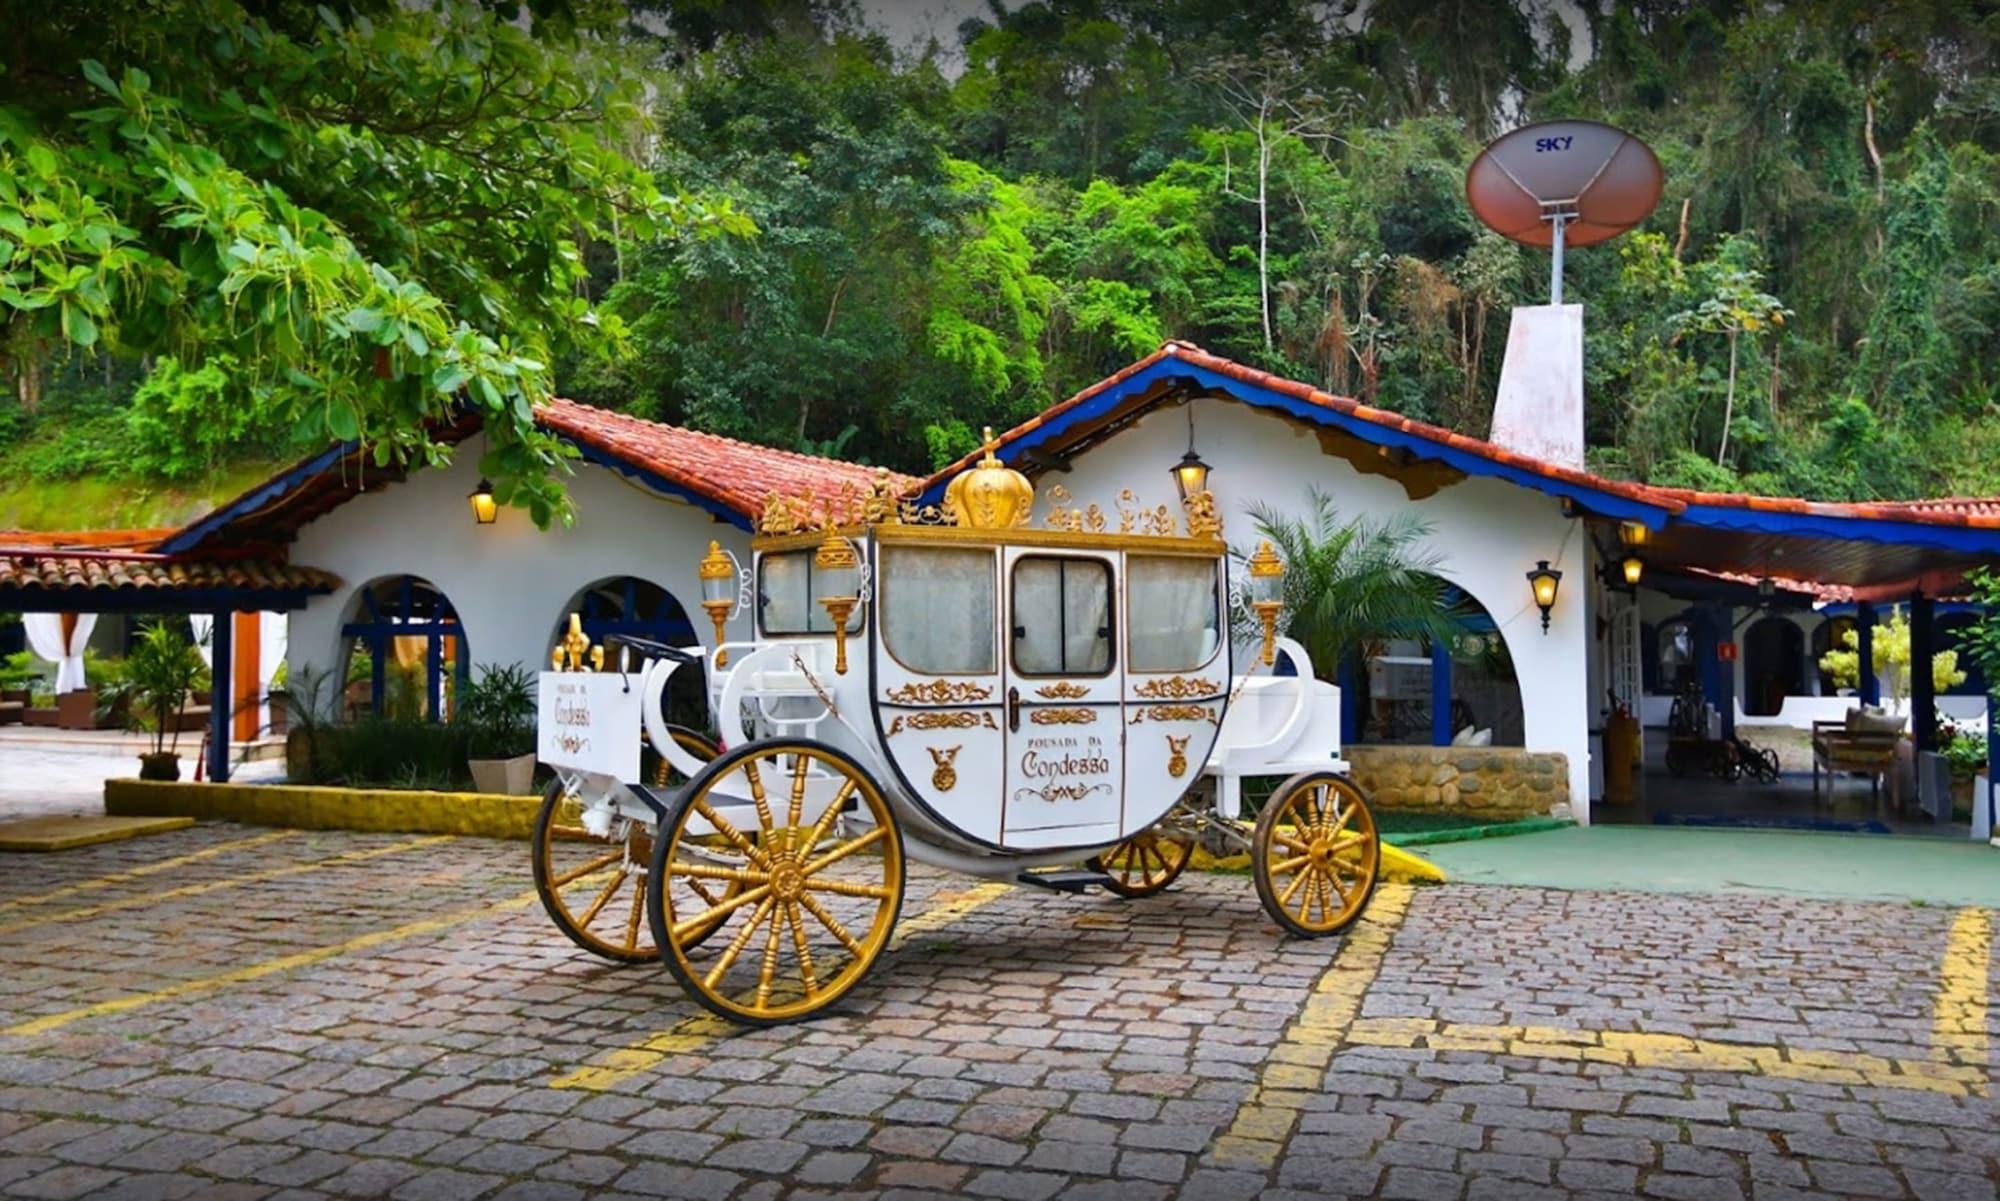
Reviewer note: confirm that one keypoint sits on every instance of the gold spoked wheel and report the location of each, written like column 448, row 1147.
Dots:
column 1147, row 862
column 591, row 874
column 819, row 881
column 1316, row 854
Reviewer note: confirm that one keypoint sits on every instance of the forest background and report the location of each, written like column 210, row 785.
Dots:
column 771, row 221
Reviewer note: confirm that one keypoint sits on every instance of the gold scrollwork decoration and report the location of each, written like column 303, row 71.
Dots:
column 945, row 777
column 1062, row 515
column 940, row 692
column 779, row 516
column 1173, row 713
column 1177, row 688
column 1062, row 690
column 1202, row 519
column 1063, row 717
column 1177, row 763
column 941, row 720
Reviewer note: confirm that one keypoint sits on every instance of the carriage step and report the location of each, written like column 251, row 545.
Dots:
column 1073, row 882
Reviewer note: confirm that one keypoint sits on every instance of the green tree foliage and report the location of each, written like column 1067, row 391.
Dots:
column 397, row 208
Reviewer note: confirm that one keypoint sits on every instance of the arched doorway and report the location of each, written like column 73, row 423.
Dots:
column 1774, row 659
column 404, row 651
column 1403, row 681
column 626, row 605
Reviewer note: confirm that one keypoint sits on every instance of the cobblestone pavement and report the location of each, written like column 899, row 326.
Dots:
column 239, row 1013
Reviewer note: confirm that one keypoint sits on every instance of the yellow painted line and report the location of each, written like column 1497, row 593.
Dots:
column 1958, row 1021
column 207, row 886
column 269, row 967
column 1297, row 1065
column 695, row 1033
column 150, row 869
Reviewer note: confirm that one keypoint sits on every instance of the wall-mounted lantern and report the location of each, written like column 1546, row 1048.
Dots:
column 484, row 508
column 1190, row 474
column 1544, row 580
column 1633, row 534
column 1634, row 567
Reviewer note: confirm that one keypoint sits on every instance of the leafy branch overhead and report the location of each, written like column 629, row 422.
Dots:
column 381, row 213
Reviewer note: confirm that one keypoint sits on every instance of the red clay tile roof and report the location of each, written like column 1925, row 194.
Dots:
column 107, row 572
column 740, row 475
column 1973, row 512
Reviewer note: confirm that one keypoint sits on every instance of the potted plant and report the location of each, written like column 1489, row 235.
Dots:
column 163, row 668
column 497, row 713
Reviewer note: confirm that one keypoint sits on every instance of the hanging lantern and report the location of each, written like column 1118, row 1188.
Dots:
column 484, row 508
column 1544, row 580
column 1634, row 568
column 1190, row 474
column 1267, row 594
column 718, row 592
column 837, row 587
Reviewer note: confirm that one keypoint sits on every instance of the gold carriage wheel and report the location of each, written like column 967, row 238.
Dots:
column 817, row 899
column 1147, row 862
column 1316, row 854
column 594, row 887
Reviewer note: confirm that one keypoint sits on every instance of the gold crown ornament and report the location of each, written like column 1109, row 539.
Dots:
column 990, row 495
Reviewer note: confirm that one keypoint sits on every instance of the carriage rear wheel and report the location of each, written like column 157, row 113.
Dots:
column 818, row 881
column 1316, row 854
column 1147, row 862
column 593, row 885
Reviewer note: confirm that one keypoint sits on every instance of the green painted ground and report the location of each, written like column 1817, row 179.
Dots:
column 1642, row 859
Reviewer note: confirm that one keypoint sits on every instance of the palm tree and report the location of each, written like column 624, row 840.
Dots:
column 1351, row 584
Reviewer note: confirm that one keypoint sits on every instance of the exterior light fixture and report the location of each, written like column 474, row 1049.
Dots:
column 484, row 508
column 719, row 592
column 1766, row 586
column 837, row 587
column 1267, row 594
column 1633, row 533
column 1544, row 580
column 1634, row 568
column 1190, row 474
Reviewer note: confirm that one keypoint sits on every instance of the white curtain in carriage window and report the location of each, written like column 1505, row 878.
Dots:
column 938, row 608
column 45, row 638
column 1172, row 611
column 1062, row 616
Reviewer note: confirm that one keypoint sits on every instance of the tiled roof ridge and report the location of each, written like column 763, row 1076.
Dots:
column 759, row 448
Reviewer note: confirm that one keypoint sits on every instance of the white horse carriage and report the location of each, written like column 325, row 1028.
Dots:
column 949, row 685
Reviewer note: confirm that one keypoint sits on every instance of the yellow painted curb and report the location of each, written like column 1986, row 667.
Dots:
column 68, row 833
column 1399, row 864
column 376, row 810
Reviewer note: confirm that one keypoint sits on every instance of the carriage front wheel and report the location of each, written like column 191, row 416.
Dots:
column 1316, row 854
column 813, row 860
column 1148, row 861
column 592, row 882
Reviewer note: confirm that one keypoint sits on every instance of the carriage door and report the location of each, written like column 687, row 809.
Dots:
column 1065, row 739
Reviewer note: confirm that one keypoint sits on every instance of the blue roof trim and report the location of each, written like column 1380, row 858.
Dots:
column 656, row 481
column 273, row 489
column 1170, row 368
column 1852, row 529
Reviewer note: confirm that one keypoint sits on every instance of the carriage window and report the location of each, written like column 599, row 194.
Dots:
column 785, row 603
column 938, row 608
column 1062, row 617
column 1173, row 618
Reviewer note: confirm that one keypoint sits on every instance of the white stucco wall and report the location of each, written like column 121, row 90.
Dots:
column 508, row 581
column 1487, row 533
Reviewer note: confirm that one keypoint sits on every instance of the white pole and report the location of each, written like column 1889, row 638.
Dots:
column 1556, row 263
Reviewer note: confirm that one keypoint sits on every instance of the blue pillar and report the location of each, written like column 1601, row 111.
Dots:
column 1992, row 758
column 1350, row 701
column 1923, row 689
column 1864, row 629
column 1441, row 730
column 220, row 638
column 434, row 674
column 378, row 672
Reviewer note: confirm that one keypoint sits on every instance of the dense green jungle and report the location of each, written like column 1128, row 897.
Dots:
column 230, row 232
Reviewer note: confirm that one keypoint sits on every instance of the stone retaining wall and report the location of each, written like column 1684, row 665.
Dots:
column 1498, row 782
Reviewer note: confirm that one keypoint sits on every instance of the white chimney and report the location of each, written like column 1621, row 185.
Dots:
column 1539, row 409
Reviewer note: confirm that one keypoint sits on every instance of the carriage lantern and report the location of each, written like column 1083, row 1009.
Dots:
column 1267, row 594
column 718, row 592
column 837, row 587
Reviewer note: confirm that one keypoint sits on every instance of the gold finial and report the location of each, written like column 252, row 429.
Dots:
column 990, row 495
column 574, row 645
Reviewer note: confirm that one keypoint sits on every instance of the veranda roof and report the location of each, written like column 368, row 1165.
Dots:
column 38, row 580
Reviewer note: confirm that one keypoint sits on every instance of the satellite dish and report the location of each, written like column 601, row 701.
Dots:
column 1557, row 183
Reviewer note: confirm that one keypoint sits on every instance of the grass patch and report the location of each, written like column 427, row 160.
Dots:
column 97, row 502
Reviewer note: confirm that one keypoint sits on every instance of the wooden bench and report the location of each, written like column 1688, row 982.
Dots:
column 1839, row 750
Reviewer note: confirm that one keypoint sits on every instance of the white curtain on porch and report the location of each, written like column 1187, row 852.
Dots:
column 45, row 638
column 273, row 635
column 201, row 625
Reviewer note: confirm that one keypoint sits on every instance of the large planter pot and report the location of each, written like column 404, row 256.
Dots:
column 166, row 765
column 505, row 777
